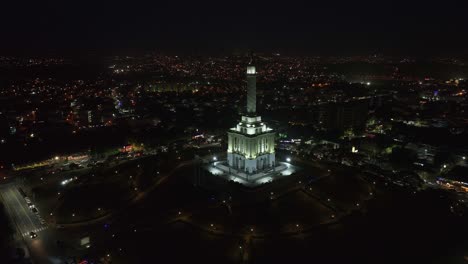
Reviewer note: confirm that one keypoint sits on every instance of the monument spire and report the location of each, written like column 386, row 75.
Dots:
column 251, row 91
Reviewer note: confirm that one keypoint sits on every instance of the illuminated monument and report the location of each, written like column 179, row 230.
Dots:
column 251, row 146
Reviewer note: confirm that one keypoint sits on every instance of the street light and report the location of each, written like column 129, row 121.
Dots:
column 215, row 158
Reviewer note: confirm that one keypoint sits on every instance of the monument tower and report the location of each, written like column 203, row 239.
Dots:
column 251, row 144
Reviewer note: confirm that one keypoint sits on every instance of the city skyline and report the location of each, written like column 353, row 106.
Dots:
column 233, row 132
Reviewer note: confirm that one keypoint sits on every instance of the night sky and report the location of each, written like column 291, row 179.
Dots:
column 312, row 27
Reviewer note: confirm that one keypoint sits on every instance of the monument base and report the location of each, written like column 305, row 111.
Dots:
column 222, row 169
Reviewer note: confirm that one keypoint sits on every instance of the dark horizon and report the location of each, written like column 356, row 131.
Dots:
column 416, row 29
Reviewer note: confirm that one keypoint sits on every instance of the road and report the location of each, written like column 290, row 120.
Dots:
column 26, row 221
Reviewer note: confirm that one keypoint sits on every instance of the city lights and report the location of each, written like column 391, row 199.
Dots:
column 174, row 138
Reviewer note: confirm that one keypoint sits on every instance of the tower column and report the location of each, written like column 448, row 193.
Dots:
column 251, row 90
column 251, row 142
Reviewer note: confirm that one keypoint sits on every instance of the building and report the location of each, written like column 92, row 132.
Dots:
column 171, row 87
column 251, row 144
column 343, row 115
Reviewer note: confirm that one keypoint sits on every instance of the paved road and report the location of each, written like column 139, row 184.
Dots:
column 25, row 221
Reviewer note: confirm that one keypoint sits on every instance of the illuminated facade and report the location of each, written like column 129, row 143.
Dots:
column 251, row 144
column 251, row 147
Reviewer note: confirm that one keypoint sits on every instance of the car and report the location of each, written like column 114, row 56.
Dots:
column 34, row 210
column 30, row 205
column 33, row 235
